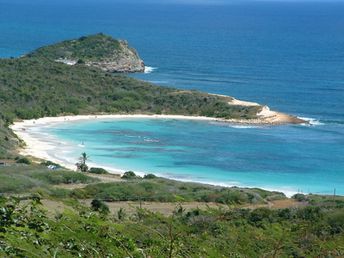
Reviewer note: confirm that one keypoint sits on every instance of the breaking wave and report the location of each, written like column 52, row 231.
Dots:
column 149, row 69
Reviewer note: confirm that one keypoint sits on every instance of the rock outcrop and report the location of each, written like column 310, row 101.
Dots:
column 101, row 51
column 124, row 60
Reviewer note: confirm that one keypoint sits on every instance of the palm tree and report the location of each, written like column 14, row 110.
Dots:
column 83, row 158
column 81, row 165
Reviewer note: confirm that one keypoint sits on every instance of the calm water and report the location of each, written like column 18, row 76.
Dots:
column 289, row 56
column 284, row 158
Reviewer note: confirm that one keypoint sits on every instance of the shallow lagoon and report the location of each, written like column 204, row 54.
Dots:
column 286, row 55
column 286, row 158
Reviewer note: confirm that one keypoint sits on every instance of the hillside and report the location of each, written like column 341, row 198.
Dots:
column 33, row 87
column 36, row 85
column 66, row 214
column 98, row 50
column 61, row 213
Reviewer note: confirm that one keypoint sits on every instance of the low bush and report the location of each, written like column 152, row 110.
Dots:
column 300, row 197
column 98, row 171
column 150, row 176
column 100, row 206
column 129, row 175
column 23, row 160
column 50, row 163
column 63, row 177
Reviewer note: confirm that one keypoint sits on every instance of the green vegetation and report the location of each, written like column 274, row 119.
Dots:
column 149, row 176
column 86, row 225
column 164, row 190
column 130, row 175
column 92, row 48
column 22, row 179
column 35, row 86
column 97, row 171
column 23, row 160
column 85, row 228
column 8, row 141
column 81, row 165
column 27, row 231
column 100, row 206
column 51, row 164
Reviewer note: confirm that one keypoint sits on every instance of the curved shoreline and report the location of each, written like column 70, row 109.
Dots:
column 43, row 146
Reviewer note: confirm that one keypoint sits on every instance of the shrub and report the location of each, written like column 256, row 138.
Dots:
column 336, row 221
column 121, row 214
column 310, row 213
column 300, row 197
column 130, row 175
column 150, row 176
column 63, row 177
column 23, row 160
column 98, row 171
column 98, row 205
column 50, row 163
column 260, row 214
column 83, row 167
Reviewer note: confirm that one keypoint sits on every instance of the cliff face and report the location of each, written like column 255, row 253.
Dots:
column 98, row 50
column 124, row 60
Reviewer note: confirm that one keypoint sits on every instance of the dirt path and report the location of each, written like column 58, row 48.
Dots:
column 166, row 208
column 106, row 178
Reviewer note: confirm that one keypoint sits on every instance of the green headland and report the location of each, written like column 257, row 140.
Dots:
column 49, row 211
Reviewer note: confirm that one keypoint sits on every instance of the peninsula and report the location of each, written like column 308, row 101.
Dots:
column 81, row 77
column 101, row 51
column 48, row 210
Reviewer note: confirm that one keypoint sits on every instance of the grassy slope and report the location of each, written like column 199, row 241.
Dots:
column 24, row 179
column 20, row 179
column 92, row 48
column 8, row 142
column 164, row 190
column 26, row 230
column 81, row 232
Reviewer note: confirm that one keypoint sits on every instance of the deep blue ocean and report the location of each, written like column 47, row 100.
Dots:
column 289, row 56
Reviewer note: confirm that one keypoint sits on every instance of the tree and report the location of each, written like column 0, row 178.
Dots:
column 81, row 165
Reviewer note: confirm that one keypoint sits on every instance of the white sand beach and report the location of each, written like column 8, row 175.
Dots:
column 46, row 147
column 41, row 147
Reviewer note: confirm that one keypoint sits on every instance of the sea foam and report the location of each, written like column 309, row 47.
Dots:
column 149, row 69
column 311, row 121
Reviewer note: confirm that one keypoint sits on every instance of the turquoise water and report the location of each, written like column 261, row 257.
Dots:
column 287, row 55
column 268, row 157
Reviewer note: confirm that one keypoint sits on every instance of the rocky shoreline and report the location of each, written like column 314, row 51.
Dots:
column 124, row 60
